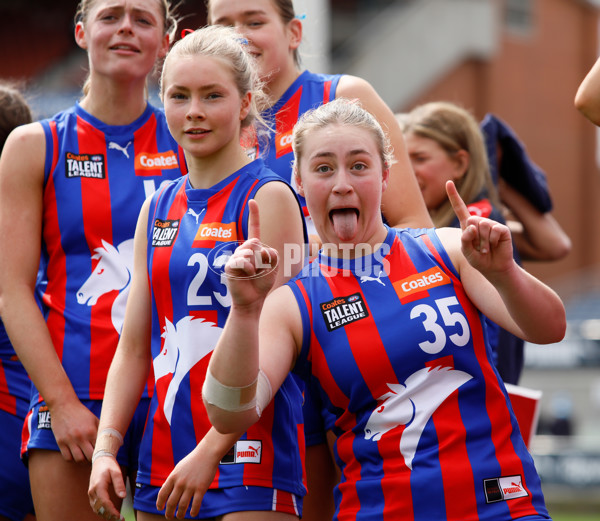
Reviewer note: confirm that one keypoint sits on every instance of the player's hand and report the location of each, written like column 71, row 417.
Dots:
column 75, row 428
column 106, row 473
column 252, row 269
column 188, row 482
column 485, row 243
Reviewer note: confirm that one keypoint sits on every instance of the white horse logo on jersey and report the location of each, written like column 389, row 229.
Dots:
column 184, row 346
column 412, row 404
column 116, row 146
column 113, row 272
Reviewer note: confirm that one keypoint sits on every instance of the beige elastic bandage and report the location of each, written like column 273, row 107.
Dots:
column 256, row 395
column 108, row 443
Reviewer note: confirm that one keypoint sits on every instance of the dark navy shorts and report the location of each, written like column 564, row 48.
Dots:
column 15, row 493
column 217, row 502
column 38, row 431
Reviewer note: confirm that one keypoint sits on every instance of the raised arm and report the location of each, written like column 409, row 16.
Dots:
column 234, row 393
column 482, row 253
column 402, row 203
column 587, row 98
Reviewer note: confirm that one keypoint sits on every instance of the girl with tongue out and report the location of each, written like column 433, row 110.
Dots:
column 387, row 324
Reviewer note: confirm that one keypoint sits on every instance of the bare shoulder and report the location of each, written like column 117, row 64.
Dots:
column 354, row 87
column 24, row 151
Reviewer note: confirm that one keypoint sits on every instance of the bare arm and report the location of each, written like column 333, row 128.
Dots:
column 236, row 360
column 127, row 375
column 482, row 253
column 21, row 207
column 402, row 202
column 587, row 98
column 539, row 236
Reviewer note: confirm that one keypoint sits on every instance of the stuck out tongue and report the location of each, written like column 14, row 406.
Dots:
column 345, row 223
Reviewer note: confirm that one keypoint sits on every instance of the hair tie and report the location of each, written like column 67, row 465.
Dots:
column 185, row 32
column 301, row 16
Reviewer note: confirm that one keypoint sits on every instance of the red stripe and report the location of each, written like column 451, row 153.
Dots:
column 240, row 231
column 161, row 289
column 57, row 270
column 496, row 404
column 366, row 345
column 97, row 224
column 215, row 208
column 326, row 91
column 8, row 402
column 161, row 438
column 262, row 430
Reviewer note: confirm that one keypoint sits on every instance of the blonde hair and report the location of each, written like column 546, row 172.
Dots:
column 285, row 8
column 454, row 129
column 225, row 44
column 340, row 111
column 170, row 22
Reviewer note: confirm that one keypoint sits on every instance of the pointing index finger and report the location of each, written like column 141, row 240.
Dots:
column 253, row 220
column 458, row 205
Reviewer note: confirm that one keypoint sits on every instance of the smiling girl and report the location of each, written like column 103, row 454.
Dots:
column 180, row 300
column 71, row 189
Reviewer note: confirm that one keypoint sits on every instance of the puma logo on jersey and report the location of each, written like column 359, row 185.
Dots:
column 244, row 451
column 503, row 488
column 84, row 165
column 113, row 145
column 196, row 215
column 366, row 278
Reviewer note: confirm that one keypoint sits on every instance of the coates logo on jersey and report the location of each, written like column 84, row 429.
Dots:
column 343, row 310
column 164, row 232
column 503, row 488
column 84, row 165
column 209, row 233
column 147, row 164
column 283, row 143
column 421, row 282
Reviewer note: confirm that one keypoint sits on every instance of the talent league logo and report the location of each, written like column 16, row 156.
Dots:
column 85, row 165
column 164, row 232
column 343, row 310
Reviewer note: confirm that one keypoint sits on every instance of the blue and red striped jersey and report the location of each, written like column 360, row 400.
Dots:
column 309, row 91
column 191, row 234
column 97, row 177
column 424, row 424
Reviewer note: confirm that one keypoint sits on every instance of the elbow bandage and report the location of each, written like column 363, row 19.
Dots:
column 108, row 443
column 236, row 399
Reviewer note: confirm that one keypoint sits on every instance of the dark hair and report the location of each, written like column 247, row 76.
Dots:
column 286, row 11
column 14, row 111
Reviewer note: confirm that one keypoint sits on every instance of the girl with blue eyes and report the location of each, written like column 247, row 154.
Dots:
column 71, row 189
column 179, row 303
